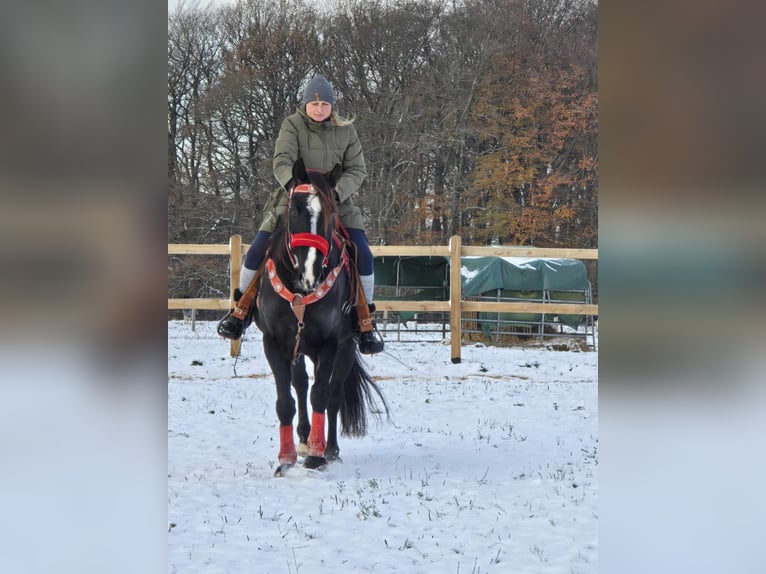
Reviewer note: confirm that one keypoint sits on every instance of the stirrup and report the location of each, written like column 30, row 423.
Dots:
column 370, row 342
column 230, row 327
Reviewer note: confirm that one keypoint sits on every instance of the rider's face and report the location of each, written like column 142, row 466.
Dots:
column 318, row 111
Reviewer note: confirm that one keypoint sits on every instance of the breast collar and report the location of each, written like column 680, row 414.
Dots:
column 317, row 294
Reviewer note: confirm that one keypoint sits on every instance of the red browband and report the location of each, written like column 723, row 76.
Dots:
column 310, row 240
column 304, row 188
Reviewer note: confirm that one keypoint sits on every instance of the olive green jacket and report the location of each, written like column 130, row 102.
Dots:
column 321, row 145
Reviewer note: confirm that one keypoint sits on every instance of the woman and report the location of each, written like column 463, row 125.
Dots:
column 318, row 135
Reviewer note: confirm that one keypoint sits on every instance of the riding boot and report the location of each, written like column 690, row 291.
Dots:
column 370, row 341
column 237, row 319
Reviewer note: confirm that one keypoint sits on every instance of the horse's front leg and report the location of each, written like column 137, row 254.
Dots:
column 301, row 386
column 280, row 366
column 320, row 396
column 331, row 451
column 326, row 396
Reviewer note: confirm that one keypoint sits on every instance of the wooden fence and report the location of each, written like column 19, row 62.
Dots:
column 455, row 306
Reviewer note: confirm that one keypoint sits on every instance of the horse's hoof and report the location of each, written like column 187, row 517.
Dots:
column 333, row 456
column 315, row 462
column 282, row 469
column 303, row 449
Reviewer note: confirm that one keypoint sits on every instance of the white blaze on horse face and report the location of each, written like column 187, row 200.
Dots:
column 315, row 210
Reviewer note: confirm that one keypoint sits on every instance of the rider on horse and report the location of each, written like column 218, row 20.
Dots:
column 322, row 139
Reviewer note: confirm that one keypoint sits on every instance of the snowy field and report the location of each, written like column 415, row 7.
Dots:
column 490, row 465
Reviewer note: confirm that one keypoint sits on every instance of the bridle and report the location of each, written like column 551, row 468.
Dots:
column 293, row 240
column 297, row 301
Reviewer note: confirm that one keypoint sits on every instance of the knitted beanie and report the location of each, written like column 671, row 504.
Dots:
column 318, row 90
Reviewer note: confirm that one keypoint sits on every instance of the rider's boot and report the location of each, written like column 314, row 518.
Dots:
column 370, row 341
column 237, row 319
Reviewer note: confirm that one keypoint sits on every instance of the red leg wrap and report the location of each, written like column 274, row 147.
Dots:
column 287, row 452
column 317, row 442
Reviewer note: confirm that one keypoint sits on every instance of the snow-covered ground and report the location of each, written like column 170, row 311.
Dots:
column 490, row 465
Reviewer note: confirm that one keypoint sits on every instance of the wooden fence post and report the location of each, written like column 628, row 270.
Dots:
column 235, row 259
column 455, row 297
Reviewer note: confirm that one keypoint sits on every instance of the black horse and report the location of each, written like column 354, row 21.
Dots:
column 305, row 309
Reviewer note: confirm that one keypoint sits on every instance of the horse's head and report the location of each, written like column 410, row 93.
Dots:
column 311, row 219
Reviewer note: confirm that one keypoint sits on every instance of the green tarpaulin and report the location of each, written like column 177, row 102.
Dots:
column 427, row 279
column 411, row 279
column 483, row 274
column 412, row 271
column 518, row 279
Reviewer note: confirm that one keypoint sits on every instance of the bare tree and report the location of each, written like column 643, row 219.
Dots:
column 375, row 53
column 194, row 65
column 477, row 117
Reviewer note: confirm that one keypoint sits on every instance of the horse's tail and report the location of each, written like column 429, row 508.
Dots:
column 360, row 391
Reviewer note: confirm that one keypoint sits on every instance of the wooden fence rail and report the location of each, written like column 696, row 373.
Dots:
column 455, row 306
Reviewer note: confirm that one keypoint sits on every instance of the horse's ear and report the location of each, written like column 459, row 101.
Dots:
column 299, row 171
column 334, row 175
